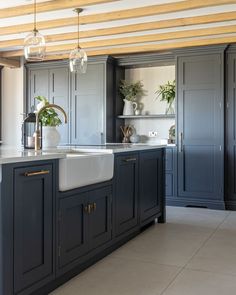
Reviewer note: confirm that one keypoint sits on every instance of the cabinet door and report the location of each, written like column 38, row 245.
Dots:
column 38, row 85
column 170, row 172
column 73, row 232
column 59, row 94
column 231, row 132
column 88, row 106
column 100, row 217
column 33, row 226
column 200, row 127
column 126, row 192
column 150, row 183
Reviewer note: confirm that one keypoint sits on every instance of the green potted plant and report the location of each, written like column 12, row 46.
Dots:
column 167, row 93
column 130, row 92
column 50, row 120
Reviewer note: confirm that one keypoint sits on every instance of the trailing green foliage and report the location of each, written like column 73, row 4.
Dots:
column 167, row 92
column 48, row 117
column 130, row 91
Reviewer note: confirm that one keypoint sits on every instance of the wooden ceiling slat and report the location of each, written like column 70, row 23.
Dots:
column 48, row 6
column 149, row 48
column 65, row 22
column 9, row 63
column 136, row 39
column 129, row 40
column 152, row 10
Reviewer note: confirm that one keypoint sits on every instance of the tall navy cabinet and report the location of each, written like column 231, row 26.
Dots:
column 200, row 126
column 230, row 151
column 89, row 99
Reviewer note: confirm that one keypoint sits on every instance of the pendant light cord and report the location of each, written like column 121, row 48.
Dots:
column 35, row 30
column 78, row 27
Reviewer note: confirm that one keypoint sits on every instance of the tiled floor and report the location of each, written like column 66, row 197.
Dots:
column 193, row 253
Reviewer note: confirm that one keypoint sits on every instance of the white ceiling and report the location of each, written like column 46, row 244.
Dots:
column 109, row 7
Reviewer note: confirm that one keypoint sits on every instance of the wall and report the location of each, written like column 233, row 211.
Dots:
column 12, row 105
column 152, row 78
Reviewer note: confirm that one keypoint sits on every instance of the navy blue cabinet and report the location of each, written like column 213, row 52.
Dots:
column 73, row 228
column 138, row 190
column 201, row 129
column 49, row 236
column 230, row 176
column 84, row 223
column 150, row 183
column 27, row 227
column 33, row 225
column 126, row 192
column 170, row 172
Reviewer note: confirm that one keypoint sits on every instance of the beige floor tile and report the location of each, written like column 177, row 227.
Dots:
column 230, row 222
column 120, row 277
column 205, row 218
column 190, row 282
column 164, row 247
column 218, row 254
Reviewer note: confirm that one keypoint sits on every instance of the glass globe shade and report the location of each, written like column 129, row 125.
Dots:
column 34, row 46
column 78, row 61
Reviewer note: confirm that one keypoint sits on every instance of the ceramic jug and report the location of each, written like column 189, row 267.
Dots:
column 129, row 107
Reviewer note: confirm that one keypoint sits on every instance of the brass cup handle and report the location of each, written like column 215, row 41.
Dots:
column 88, row 208
column 35, row 173
column 94, row 206
column 130, row 160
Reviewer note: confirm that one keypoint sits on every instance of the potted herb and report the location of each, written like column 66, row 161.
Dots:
column 167, row 93
column 130, row 92
column 50, row 120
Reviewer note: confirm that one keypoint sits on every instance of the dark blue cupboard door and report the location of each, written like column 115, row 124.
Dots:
column 100, row 217
column 33, row 225
column 59, row 94
column 150, row 183
column 38, row 85
column 126, row 192
column 73, row 228
column 200, row 126
column 231, row 130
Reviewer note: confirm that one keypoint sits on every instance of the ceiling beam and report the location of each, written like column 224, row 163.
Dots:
column 150, row 48
column 124, row 40
column 10, row 63
column 172, row 23
column 151, row 10
column 65, row 22
column 48, row 6
column 157, row 37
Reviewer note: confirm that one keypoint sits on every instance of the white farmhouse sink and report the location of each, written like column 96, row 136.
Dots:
column 84, row 168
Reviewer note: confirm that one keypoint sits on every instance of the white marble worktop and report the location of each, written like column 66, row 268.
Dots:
column 14, row 155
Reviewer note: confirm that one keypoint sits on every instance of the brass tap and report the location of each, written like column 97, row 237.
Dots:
column 37, row 131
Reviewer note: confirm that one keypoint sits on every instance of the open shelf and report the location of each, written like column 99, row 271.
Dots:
column 160, row 116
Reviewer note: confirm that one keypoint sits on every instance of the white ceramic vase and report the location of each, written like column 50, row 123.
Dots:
column 51, row 137
column 129, row 107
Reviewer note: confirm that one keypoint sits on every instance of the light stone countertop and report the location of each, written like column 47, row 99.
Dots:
column 15, row 155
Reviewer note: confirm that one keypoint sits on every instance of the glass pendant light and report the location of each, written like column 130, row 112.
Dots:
column 78, row 57
column 34, row 43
